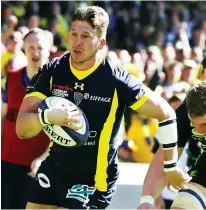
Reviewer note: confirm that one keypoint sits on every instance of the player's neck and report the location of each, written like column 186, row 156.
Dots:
column 86, row 65
column 30, row 71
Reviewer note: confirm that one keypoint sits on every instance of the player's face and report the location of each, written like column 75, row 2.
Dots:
column 199, row 123
column 36, row 50
column 84, row 42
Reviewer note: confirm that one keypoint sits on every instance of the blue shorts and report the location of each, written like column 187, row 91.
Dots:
column 53, row 187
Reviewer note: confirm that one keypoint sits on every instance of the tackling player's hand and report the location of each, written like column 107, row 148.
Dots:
column 178, row 178
column 145, row 206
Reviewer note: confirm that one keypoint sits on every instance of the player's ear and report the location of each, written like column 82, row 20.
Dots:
column 102, row 42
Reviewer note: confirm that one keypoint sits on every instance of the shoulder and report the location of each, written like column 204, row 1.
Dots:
column 119, row 73
column 14, row 73
column 55, row 62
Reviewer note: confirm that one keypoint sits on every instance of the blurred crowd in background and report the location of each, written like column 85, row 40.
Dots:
column 162, row 43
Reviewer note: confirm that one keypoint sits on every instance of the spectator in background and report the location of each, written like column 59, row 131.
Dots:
column 33, row 21
column 173, row 74
column 169, row 55
column 201, row 73
column 20, row 157
column 138, row 147
column 9, row 22
column 12, row 56
column 188, row 72
column 23, row 29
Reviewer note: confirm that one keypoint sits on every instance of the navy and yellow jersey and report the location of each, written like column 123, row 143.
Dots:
column 188, row 133
column 102, row 93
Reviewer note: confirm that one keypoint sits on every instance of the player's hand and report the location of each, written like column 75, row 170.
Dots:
column 63, row 117
column 178, row 178
column 145, row 206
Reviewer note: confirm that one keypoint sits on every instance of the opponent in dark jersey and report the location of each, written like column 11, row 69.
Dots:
column 187, row 133
column 85, row 177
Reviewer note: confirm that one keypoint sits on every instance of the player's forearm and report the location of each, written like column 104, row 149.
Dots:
column 155, row 180
column 28, row 125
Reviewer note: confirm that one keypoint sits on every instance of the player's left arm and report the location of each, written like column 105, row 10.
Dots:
column 156, row 107
column 148, row 103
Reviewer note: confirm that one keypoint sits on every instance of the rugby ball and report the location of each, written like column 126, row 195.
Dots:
column 63, row 135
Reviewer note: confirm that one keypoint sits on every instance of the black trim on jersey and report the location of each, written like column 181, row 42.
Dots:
column 172, row 165
column 166, row 146
column 167, row 122
column 195, row 195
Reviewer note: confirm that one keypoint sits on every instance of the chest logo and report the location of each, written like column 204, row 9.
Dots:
column 77, row 86
column 78, row 98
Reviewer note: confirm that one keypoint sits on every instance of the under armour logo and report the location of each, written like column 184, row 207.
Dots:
column 79, row 86
column 78, row 98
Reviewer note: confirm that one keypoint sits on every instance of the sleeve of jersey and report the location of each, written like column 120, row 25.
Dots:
column 40, row 84
column 134, row 91
column 183, row 125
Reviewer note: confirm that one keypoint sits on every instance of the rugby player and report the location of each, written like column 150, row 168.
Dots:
column 194, row 197
column 19, row 157
column 85, row 177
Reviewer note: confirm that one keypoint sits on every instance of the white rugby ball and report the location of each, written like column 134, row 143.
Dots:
column 61, row 134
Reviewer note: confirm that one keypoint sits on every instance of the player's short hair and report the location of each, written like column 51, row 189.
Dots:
column 34, row 31
column 196, row 100
column 96, row 16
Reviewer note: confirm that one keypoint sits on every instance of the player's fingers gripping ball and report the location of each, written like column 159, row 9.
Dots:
column 76, row 130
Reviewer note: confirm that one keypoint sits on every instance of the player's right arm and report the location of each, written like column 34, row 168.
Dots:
column 28, row 122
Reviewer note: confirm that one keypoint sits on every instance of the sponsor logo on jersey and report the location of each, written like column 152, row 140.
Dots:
column 193, row 173
column 61, row 87
column 97, row 98
column 80, row 192
column 79, row 86
column 90, row 143
column 60, row 93
column 78, row 98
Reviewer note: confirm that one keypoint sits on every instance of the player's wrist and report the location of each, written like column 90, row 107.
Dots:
column 147, row 199
column 43, row 117
column 170, row 165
